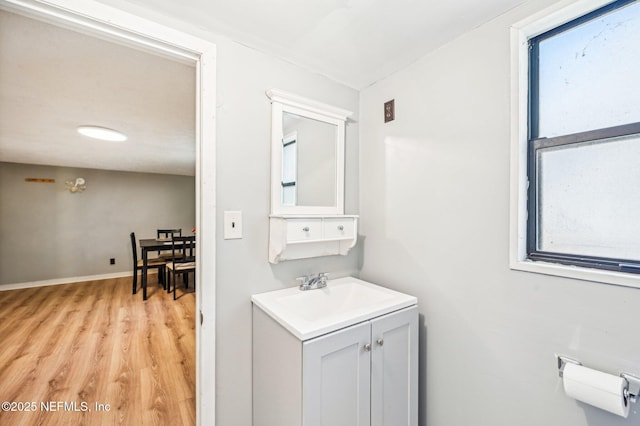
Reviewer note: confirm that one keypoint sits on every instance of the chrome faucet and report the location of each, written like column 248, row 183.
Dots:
column 313, row 282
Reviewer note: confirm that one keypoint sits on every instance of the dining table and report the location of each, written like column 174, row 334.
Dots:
column 147, row 245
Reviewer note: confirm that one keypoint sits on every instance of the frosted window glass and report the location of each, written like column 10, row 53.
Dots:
column 588, row 75
column 289, row 195
column 289, row 166
column 589, row 198
column 289, row 173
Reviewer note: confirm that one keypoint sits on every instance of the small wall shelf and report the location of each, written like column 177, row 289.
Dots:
column 302, row 236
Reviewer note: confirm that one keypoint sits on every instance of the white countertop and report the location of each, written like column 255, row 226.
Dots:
column 343, row 302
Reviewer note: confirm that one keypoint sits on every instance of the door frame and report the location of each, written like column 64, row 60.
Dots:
column 122, row 27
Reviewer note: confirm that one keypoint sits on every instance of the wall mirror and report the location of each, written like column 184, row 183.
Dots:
column 307, row 156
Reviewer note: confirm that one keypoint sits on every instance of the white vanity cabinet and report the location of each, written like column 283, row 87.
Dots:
column 362, row 375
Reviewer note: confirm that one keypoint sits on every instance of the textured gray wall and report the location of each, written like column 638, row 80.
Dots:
column 435, row 215
column 47, row 233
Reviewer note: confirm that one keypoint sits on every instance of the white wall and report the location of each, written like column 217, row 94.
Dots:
column 48, row 233
column 435, row 215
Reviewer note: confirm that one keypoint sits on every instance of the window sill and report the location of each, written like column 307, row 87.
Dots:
column 575, row 272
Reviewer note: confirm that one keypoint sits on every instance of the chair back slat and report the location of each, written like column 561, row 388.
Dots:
column 168, row 233
column 184, row 246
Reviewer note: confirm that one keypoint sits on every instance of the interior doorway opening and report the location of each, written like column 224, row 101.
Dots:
column 139, row 33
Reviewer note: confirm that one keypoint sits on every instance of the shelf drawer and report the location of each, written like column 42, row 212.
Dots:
column 339, row 228
column 304, row 229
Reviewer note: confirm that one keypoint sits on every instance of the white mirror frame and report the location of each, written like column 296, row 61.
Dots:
column 282, row 102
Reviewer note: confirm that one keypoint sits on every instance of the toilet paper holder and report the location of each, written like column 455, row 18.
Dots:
column 562, row 361
column 632, row 391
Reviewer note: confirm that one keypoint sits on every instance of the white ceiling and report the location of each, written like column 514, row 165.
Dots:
column 356, row 42
column 53, row 79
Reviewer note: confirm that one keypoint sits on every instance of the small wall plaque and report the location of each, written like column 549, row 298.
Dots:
column 39, row 180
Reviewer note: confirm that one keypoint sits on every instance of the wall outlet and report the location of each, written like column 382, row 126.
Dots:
column 389, row 110
column 112, row 261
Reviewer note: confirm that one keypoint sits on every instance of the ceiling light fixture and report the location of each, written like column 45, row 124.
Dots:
column 102, row 133
column 77, row 185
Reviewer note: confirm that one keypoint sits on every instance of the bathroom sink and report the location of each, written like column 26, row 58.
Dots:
column 343, row 302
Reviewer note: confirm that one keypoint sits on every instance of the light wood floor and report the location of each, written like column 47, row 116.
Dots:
column 96, row 343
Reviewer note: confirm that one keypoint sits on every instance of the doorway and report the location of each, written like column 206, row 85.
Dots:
column 121, row 27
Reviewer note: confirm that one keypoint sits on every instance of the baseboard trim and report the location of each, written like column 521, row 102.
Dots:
column 68, row 280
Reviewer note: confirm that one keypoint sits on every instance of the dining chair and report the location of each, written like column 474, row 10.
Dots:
column 167, row 234
column 182, row 262
column 138, row 264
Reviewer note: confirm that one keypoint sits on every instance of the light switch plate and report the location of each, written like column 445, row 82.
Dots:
column 232, row 225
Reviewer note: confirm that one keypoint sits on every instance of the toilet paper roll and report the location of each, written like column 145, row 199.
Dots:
column 596, row 388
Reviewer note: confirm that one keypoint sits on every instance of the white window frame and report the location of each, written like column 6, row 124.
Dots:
column 521, row 32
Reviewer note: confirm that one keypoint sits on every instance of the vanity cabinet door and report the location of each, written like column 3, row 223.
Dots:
column 335, row 378
column 394, row 369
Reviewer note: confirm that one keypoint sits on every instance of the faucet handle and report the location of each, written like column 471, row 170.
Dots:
column 323, row 277
column 304, row 280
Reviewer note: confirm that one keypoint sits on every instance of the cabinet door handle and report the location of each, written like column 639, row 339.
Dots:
column 367, row 347
column 305, row 229
column 380, row 342
column 340, row 228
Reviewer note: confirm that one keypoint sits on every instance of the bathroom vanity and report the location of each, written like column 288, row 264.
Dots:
column 343, row 355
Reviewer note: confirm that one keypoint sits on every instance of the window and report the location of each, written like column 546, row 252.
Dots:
column 583, row 144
